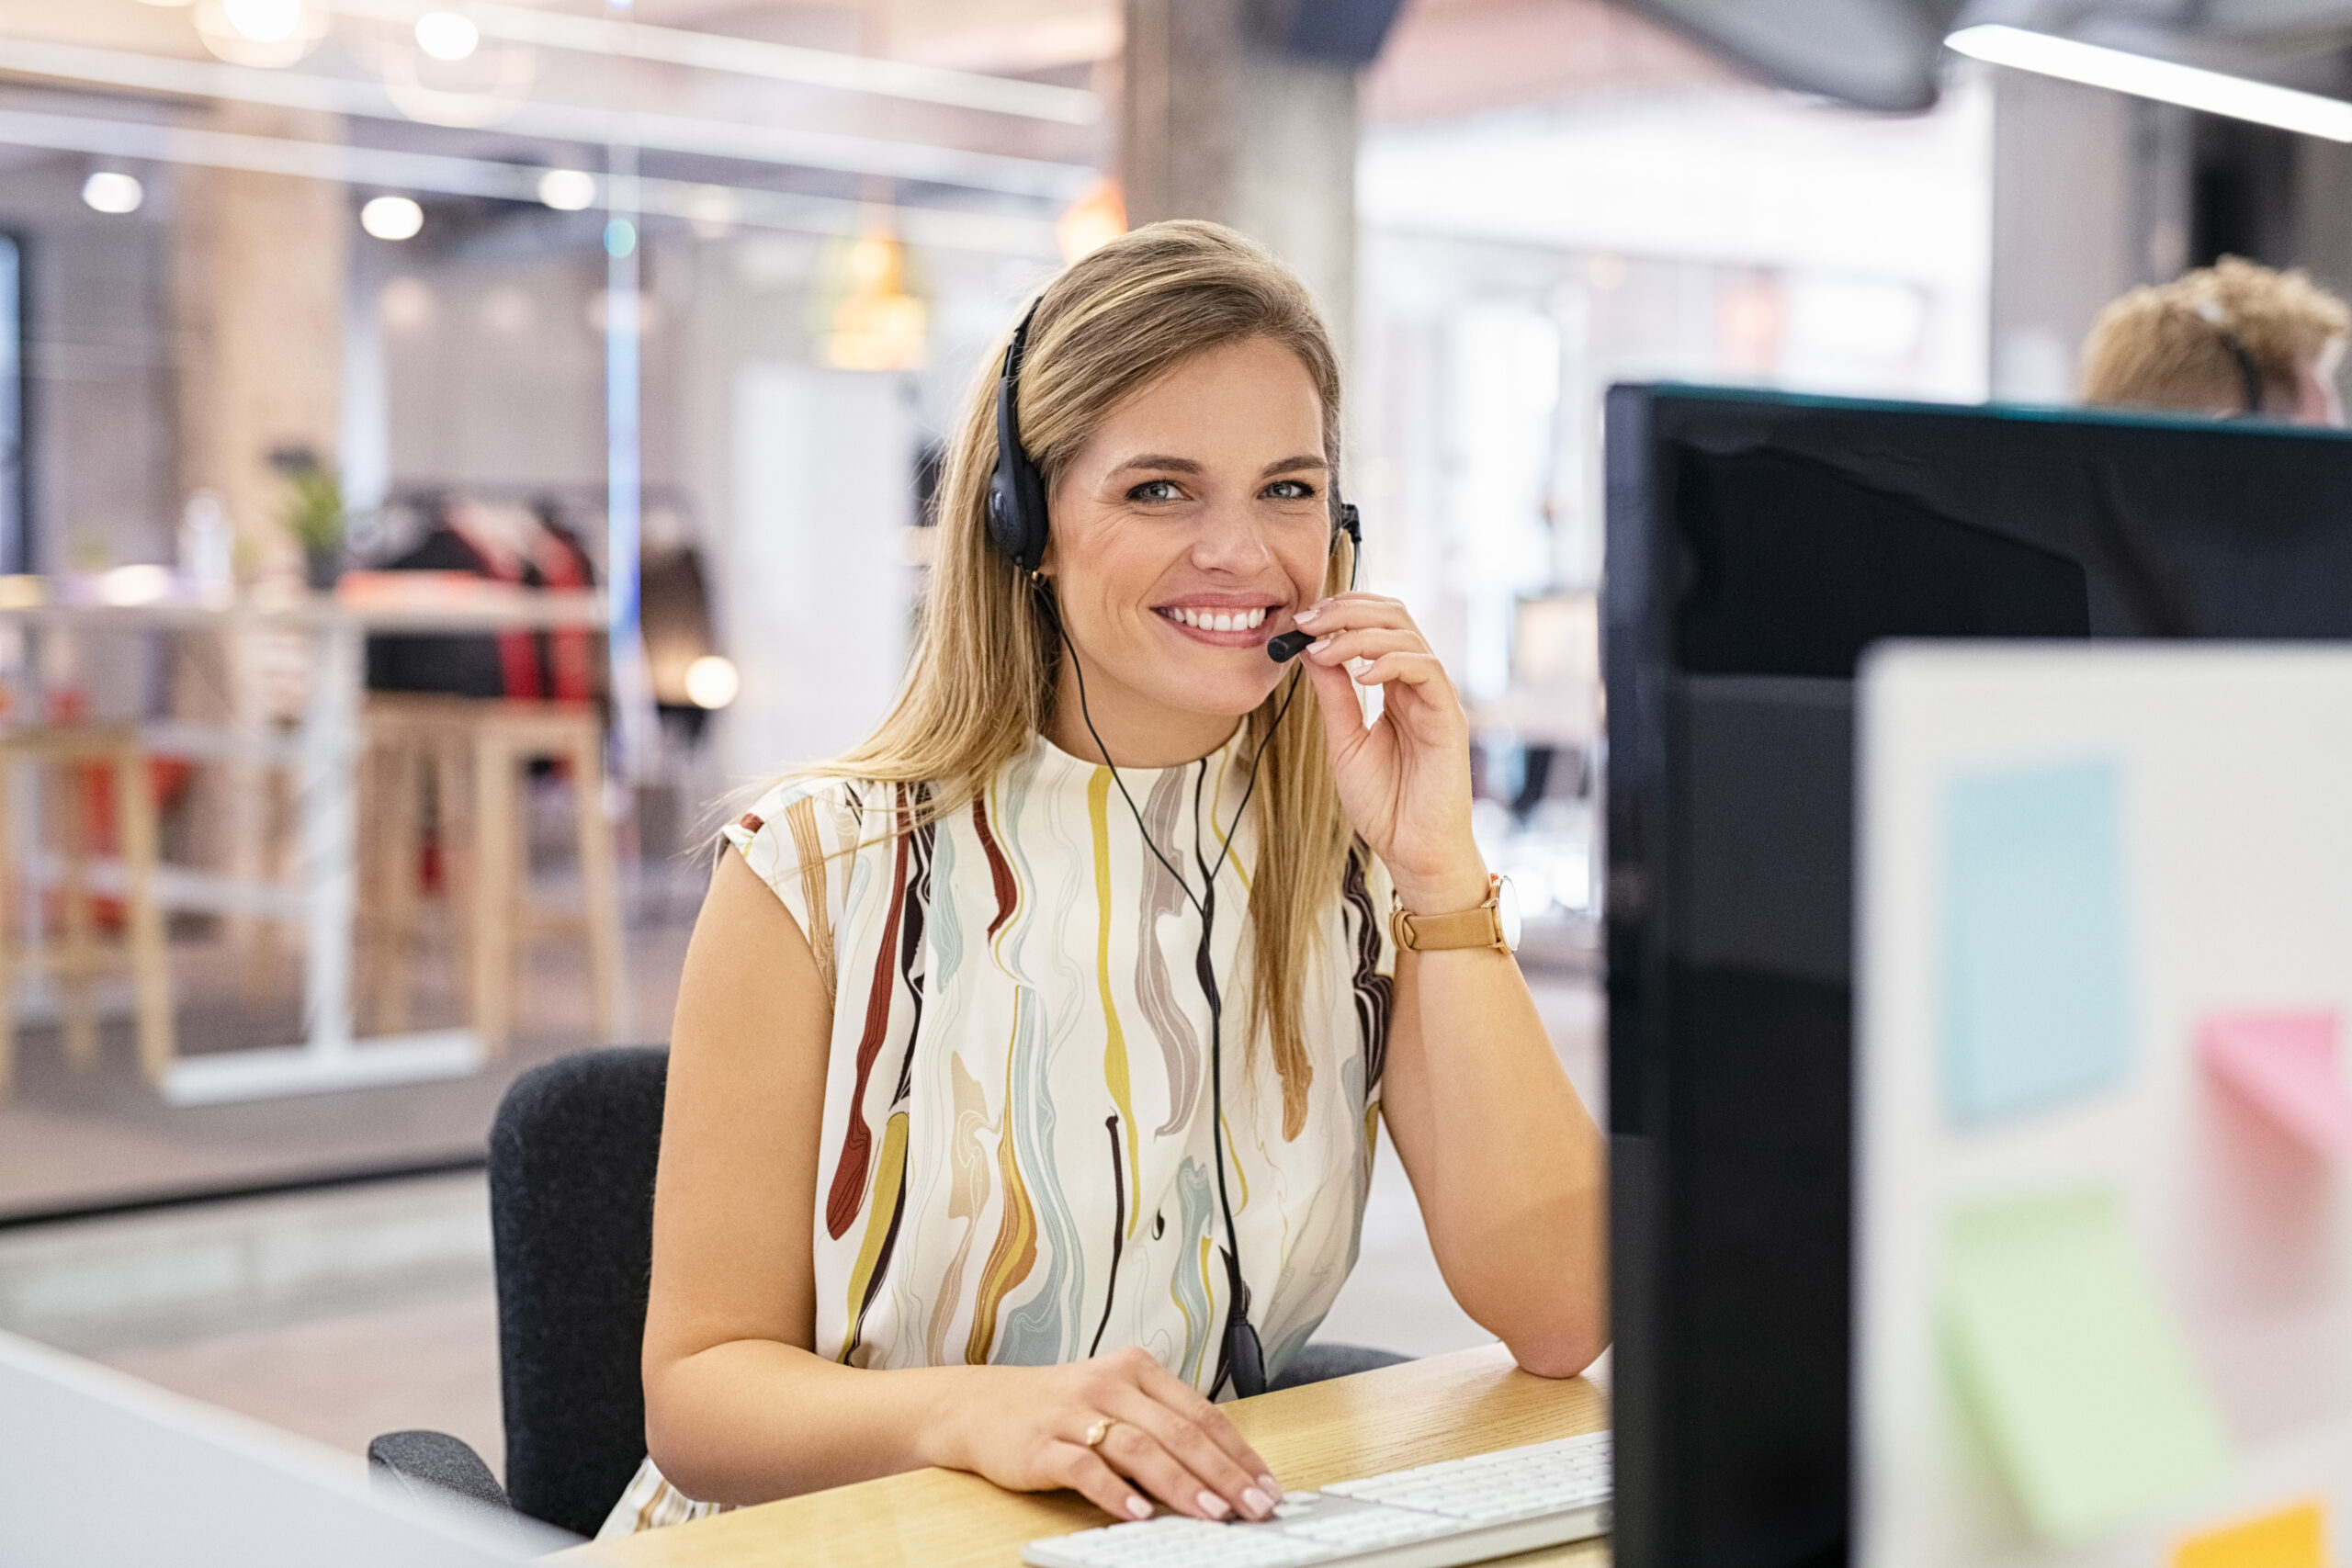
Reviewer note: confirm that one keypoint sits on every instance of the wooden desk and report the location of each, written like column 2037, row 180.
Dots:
column 1444, row 1407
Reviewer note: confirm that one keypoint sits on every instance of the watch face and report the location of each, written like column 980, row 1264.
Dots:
column 1507, row 912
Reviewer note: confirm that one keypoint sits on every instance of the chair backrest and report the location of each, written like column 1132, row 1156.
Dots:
column 571, row 1160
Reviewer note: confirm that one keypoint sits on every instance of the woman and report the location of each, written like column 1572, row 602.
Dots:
column 941, row 1177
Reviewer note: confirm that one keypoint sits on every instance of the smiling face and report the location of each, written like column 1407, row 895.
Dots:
column 1185, row 532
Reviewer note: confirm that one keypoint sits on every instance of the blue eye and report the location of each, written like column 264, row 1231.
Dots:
column 1155, row 489
column 1290, row 490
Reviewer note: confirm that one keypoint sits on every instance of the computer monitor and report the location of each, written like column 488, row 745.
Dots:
column 1759, row 544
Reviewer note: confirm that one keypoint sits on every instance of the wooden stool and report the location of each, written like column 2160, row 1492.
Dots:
column 81, row 952
column 484, row 868
column 506, row 736
column 409, row 739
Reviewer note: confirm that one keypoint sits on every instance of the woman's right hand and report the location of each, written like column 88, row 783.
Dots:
column 1025, row 1428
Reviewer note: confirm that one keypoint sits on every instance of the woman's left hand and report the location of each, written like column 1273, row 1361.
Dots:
column 1406, row 779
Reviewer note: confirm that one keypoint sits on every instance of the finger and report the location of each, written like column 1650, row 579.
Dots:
column 1082, row 1470
column 1182, row 1435
column 1190, row 1403
column 1335, row 694
column 1343, row 611
column 1133, row 1452
column 1369, row 642
column 1409, row 669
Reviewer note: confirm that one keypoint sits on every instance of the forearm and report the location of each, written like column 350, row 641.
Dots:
column 1508, row 1165
column 753, row 1420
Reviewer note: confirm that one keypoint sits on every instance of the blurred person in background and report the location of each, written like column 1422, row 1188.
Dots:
column 2233, row 340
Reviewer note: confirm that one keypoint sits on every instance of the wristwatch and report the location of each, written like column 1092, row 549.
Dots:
column 1494, row 924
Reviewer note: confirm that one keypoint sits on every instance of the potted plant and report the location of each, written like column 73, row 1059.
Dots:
column 314, row 515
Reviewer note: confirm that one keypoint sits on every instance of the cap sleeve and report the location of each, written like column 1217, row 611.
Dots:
column 799, row 838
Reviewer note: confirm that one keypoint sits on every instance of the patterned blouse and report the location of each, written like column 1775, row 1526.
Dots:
column 1015, row 1162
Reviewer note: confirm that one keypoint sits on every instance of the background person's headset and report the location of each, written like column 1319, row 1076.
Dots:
column 1018, row 527
column 2249, row 374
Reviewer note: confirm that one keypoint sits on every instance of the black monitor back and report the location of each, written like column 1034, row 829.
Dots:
column 1757, row 545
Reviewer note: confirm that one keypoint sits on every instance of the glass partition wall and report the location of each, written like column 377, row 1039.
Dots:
column 529, row 335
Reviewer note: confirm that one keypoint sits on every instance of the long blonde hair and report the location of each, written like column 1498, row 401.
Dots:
column 987, row 658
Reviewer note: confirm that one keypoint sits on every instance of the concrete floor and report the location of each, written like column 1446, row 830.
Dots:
column 345, row 1314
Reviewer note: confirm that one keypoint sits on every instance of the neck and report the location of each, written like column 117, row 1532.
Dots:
column 1136, row 731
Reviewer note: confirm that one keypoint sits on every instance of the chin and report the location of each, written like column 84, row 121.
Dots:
column 1226, row 692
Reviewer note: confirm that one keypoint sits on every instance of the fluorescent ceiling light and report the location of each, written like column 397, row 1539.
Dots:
column 563, row 122
column 756, row 57
column 2143, row 76
column 132, row 140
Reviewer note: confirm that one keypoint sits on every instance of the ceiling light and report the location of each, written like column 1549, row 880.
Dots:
column 265, row 21
column 392, row 218
column 2143, row 76
column 112, row 192
column 568, row 190
column 445, row 35
column 712, row 681
column 549, row 28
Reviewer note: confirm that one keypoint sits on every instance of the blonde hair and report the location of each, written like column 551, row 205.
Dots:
column 981, row 682
column 2168, row 345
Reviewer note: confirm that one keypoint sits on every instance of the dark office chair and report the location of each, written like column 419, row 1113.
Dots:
column 571, row 1159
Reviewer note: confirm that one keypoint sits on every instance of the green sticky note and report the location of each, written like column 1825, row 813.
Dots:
column 2065, row 1356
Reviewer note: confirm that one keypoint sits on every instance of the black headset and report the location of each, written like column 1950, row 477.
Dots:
column 2249, row 374
column 1017, row 527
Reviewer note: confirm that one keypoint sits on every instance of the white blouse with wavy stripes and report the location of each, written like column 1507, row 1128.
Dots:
column 1016, row 1163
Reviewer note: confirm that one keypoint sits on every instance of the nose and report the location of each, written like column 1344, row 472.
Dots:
column 1231, row 538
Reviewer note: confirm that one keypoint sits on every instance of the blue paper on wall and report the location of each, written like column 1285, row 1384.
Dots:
column 2036, row 983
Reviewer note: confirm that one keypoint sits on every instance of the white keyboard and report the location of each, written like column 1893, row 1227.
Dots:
column 1465, row 1510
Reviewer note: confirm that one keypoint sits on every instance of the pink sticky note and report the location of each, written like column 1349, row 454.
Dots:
column 2285, row 1064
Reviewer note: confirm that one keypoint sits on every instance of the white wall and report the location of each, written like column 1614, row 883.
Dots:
column 812, row 569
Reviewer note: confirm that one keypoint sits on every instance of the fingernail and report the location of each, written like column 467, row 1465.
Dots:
column 1271, row 1488
column 1306, row 614
column 1138, row 1508
column 1257, row 1502
column 1318, row 644
column 1213, row 1505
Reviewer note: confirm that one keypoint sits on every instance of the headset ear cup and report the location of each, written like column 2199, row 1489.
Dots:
column 1029, row 490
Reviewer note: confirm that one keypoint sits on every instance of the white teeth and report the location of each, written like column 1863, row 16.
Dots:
column 1211, row 621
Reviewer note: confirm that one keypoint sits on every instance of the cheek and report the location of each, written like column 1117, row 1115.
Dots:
column 1306, row 564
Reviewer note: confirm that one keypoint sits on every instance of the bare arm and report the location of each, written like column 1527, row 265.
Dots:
column 1506, row 1163
column 737, row 1407
column 1503, row 1156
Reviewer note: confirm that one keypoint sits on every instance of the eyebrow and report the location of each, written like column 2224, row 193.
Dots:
column 1305, row 460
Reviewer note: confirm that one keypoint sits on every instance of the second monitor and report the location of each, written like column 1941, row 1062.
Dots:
column 1759, row 544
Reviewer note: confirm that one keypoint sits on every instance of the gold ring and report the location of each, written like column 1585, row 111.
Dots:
column 1100, row 1430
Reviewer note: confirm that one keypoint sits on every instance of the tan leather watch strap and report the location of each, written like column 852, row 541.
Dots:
column 1480, row 927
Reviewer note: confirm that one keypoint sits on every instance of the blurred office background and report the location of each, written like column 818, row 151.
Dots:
column 327, row 320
